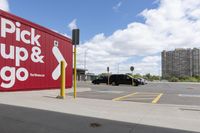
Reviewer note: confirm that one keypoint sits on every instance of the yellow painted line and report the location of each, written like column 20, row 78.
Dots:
column 120, row 98
column 141, row 95
column 139, row 98
column 157, row 98
column 148, row 93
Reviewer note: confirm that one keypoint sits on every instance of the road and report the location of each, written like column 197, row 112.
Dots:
column 170, row 93
column 15, row 119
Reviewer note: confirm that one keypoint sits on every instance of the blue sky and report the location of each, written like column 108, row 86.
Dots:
column 118, row 33
column 93, row 16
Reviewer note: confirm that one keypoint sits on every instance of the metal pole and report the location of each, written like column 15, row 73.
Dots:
column 108, row 78
column 108, row 74
column 132, row 77
column 62, row 90
column 75, row 74
column 75, row 41
column 85, row 62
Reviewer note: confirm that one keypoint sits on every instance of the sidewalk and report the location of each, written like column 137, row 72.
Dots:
column 168, row 116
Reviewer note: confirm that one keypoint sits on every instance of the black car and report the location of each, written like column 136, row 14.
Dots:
column 116, row 79
column 101, row 79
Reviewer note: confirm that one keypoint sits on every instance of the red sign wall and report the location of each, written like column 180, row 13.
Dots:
column 30, row 55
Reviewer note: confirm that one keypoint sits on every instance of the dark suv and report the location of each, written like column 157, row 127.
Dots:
column 116, row 79
column 101, row 79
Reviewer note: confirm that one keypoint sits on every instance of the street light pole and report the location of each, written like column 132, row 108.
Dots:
column 85, row 59
column 85, row 62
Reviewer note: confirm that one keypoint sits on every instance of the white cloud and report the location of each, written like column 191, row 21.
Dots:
column 4, row 5
column 117, row 6
column 171, row 25
column 72, row 25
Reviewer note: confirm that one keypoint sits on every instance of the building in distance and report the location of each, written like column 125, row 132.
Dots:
column 181, row 62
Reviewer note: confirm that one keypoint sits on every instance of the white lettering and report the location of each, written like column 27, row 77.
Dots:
column 19, row 54
column 4, row 54
column 4, row 27
column 8, row 78
column 23, row 34
column 37, row 75
column 35, row 56
column 9, row 75
column 34, row 38
column 19, row 57
column 8, row 26
column 18, row 31
column 19, row 76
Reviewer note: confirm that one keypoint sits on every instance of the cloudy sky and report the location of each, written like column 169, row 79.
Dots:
column 118, row 33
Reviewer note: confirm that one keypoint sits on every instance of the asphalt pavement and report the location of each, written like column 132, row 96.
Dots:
column 102, row 108
column 171, row 93
column 15, row 119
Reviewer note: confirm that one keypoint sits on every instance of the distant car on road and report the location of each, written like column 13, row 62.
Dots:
column 101, row 79
column 142, row 81
column 116, row 79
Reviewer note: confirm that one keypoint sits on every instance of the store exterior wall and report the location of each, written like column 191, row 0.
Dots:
column 30, row 55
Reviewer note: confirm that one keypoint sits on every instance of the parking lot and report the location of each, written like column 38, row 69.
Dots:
column 155, row 93
column 155, row 107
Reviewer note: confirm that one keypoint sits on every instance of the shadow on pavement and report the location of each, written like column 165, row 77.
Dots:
column 15, row 119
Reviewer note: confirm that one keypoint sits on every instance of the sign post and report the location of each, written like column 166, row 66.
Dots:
column 132, row 69
column 108, row 74
column 75, row 41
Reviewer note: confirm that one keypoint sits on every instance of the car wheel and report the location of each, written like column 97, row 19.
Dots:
column 114, row 83
column 135, row 84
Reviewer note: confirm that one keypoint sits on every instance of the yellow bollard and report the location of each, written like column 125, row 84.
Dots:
column 62, row 90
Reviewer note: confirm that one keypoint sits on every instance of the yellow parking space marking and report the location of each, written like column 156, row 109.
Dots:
column 157, row 98
column 139, row 98
column 141, row 95
column 120, row 98
column 148, row 93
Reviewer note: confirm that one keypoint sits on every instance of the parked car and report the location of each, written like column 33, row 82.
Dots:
column 142, row 81
column 101, row 79
column 116, row 79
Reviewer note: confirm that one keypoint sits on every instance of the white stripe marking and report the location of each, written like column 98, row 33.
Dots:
column 116, row 92
column 188, row 95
